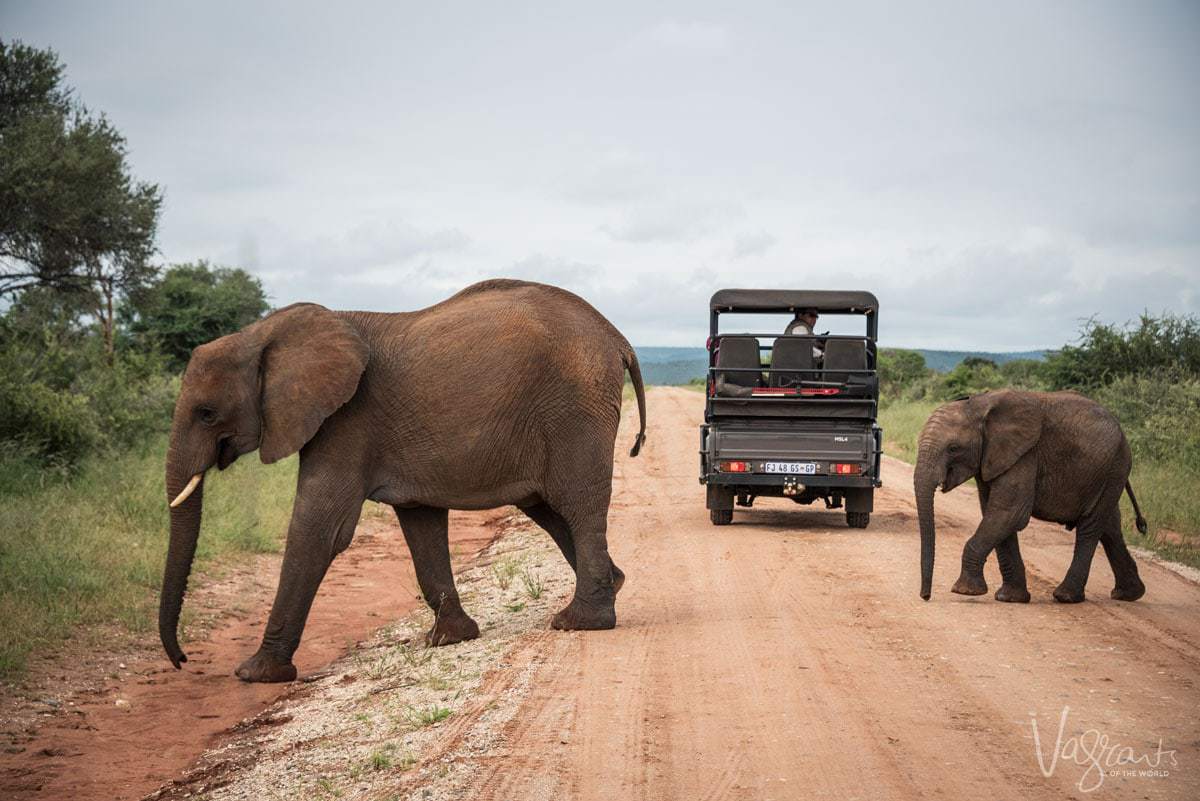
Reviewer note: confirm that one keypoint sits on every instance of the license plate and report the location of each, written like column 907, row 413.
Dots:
column 791, row 468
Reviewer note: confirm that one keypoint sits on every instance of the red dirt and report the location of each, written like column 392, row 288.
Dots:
column 143, row 728
column 789, row 657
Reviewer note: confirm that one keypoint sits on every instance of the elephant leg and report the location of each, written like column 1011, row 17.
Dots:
column 1129, row 586
column 1007, row 504
column 593, row 606
column 1012, row 568
column 1071, row 590
column 312, row 544
column 425, row 531
column 560, row 532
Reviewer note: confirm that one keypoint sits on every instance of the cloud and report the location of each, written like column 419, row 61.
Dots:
column 358, row 267
column 752, row 244
column 646, row 157
column 616, row 176
column 687, row 35
column 673, row 220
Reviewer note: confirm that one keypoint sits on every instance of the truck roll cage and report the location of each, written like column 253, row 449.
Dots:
column 800, row 424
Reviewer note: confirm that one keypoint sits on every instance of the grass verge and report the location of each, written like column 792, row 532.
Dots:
column 89, row 548
column 901, row 422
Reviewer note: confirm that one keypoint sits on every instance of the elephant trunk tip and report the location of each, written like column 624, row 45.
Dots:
column 171, row 646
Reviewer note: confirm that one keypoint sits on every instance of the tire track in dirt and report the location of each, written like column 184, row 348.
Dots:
column 787, row 656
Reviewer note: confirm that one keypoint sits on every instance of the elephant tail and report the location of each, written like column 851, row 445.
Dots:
column 635, row 376
column 1139, row 520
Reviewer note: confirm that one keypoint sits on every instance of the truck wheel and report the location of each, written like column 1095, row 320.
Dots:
column 858, row 519
column 720, row 517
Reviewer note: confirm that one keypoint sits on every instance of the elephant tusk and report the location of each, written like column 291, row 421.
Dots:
column 188, row 490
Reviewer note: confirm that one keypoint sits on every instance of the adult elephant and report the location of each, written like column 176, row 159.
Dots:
column 507, row 393
column 1055, row 456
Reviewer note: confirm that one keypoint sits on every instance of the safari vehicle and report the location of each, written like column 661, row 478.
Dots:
column 784, row 420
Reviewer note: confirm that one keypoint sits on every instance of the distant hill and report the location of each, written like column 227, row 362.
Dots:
column 673, row 366
column 946, row 360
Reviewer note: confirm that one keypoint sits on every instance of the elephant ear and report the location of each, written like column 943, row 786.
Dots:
column 1012, row 425
column 310, row 364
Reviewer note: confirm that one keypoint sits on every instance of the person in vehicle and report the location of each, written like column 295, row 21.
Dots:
column 803, row 325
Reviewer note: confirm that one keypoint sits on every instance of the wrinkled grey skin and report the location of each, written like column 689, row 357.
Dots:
column 507, row 393
column 1055, row 456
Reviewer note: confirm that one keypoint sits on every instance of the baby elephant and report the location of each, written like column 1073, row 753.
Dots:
column 1056, row 456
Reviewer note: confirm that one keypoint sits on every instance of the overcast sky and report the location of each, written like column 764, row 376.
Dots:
column 994, row 172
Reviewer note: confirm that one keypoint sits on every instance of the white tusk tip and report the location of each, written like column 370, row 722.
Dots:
column 188, row 490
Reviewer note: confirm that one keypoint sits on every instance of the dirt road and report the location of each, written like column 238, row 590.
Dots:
column 787, row 656
column 144, row 722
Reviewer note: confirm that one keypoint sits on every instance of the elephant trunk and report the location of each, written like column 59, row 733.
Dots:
column 926, row 477
column 185, row 530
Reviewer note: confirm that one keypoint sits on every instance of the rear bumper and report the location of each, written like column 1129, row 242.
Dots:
column 772, row 480
column 823, row 443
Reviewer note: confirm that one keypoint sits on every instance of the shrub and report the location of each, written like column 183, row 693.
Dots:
column 1024, row 374
column 1107, row 352
column 899, row 370
column 1160, row 414
column 971, row 376
column 56, row 424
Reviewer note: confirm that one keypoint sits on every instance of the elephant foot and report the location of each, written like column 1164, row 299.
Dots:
column 969, row 585
column 1129, row 593
column 618, row 579
column 1067, row 595
column 1012, row 594
column 451, row 627
column 262, row 667
column 577, row 616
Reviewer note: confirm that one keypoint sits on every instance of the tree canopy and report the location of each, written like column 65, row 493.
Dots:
column 191, row 304
column 72, row 216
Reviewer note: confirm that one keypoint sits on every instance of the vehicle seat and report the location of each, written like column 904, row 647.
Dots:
column 844, row 354
column 739, row 352
column 791, row 354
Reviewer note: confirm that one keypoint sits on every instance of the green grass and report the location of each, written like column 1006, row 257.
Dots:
column 88, row 548
column 1166, row 492
column 902, row 422
column 420, row 718
column 533, row 584
column 1165, row 488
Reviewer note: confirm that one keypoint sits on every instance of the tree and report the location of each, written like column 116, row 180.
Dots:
column 191, row 304
column 899, row 369
column 72, row 217
column 971, row 376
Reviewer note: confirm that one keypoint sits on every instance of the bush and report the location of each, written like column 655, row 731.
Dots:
column 900, row 370
column 1160, row 415
column 55, row 424
column 971, row 376
column 1024, row 374
column 1107, row 352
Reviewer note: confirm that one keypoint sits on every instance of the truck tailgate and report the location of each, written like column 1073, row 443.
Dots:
column 847, row 444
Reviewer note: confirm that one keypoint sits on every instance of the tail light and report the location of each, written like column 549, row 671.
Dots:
column 842, row 469
column 735, row 467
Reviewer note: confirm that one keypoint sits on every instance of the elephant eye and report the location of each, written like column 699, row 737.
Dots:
column 207, row 416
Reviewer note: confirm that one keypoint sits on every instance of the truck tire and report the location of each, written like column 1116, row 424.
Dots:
column 858, row 519
column 720, row 517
